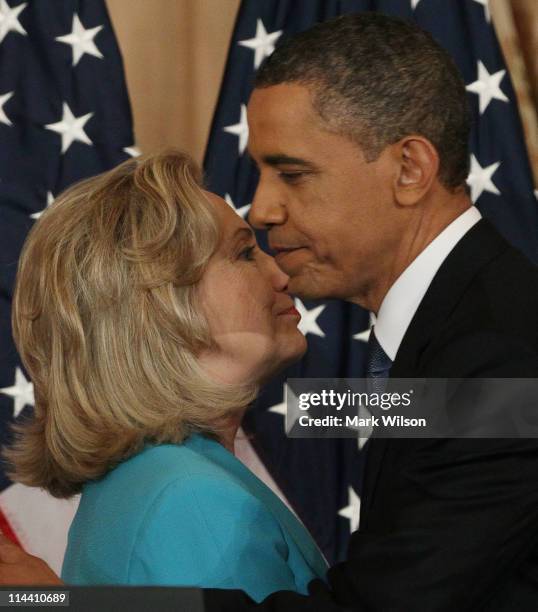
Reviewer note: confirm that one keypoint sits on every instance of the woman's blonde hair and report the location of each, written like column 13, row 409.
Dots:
column 106, row 321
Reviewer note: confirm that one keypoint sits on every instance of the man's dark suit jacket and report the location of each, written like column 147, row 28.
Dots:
column 447, row 524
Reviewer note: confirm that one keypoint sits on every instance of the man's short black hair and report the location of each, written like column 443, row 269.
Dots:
column 377, row 79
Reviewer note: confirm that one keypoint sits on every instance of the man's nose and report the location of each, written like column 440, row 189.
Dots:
column 267, row 207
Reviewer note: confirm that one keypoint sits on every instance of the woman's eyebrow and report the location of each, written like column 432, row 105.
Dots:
column 244, row 232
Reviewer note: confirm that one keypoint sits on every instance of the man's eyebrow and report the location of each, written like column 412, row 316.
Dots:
column 280, row 160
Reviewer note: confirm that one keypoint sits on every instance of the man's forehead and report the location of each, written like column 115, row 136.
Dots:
column 283, row 124
column 280, row 103
column 285, row 129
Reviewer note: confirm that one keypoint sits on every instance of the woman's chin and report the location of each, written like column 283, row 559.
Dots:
column 278, row 364
column 256, row 368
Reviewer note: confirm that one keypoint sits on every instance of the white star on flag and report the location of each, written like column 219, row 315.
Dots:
column 364, row 335
column 81, row 40
column 282, row 408
column 293, row 414
column 308, row 323
column 279, row 408
column 487, row 86
column 3, row 99
column 242, row 211
column 71, row 128
column 485, row 4
column 9, row 19
column 240, row 129
column 366, row 431
column 50, row 200
column 133, row 151
column 479, row 179
column 22, row 392
column 352, row 511
column 263, row 44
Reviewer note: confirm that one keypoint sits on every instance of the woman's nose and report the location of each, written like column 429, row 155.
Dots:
column 277, row 277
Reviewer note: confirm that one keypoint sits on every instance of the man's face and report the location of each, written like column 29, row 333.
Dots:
column 331, row 217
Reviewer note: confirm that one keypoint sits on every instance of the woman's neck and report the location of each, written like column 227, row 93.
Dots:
column 226, row 436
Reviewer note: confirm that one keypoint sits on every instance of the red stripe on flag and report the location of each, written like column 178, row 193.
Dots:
column 6, row 529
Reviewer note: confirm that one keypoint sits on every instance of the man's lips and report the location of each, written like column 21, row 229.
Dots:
column 279, row 248
column 283, row 252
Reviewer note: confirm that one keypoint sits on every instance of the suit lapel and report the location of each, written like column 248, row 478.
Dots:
column 476, row 249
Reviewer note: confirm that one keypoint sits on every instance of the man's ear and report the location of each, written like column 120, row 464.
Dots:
column 418, row 165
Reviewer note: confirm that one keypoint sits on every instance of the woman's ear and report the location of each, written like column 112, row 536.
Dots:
column 418, row 166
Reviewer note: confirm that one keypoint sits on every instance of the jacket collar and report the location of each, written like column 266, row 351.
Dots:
column 475, row 250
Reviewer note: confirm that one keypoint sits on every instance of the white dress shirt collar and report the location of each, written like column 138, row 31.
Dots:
column 403, row 298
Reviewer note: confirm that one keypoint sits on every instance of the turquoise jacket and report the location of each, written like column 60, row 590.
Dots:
column 189, row 514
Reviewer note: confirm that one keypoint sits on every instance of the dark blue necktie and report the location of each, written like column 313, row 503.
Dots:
column 378, row 365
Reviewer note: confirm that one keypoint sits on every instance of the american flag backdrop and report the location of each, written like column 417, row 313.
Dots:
column 64, row 115
column 321, row 478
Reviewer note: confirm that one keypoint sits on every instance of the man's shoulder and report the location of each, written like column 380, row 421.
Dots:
column 484, row 322
column 493, row 277
column 493, row 328
column 510, row 275
column 503, row 296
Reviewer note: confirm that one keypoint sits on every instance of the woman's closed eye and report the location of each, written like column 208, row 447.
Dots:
column 247, row 254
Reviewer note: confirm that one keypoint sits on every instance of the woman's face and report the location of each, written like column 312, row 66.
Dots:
column 251, row 318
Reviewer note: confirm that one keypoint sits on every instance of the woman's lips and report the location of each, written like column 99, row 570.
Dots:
column 291, row 311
